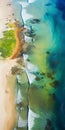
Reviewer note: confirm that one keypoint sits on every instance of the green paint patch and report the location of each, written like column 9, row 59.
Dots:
column 7, row 43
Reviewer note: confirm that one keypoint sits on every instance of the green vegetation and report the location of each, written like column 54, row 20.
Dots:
column 7, row 43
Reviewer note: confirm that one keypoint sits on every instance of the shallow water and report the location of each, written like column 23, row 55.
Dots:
column 45, row 96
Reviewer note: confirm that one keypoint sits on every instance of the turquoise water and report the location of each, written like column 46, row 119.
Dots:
column 45, row 96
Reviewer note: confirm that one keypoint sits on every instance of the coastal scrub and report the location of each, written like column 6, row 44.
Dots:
column 7, row 43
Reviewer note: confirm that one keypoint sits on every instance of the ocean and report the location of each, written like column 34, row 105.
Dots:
column 46, row 95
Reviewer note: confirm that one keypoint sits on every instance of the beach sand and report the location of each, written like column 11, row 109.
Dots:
column 6, row 15
column 7, row 97
column 8, row 114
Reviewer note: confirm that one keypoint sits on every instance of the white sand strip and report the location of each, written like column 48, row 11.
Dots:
column 6, row 14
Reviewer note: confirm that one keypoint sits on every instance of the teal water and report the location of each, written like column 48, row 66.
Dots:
column 45, row 96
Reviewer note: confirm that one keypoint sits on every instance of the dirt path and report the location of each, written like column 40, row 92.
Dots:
column 19, row 42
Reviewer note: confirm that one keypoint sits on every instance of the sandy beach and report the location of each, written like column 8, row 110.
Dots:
column 7, row 97
column 7, row 80
column 6, row 15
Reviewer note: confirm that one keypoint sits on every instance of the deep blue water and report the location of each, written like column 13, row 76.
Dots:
column 53, row 12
